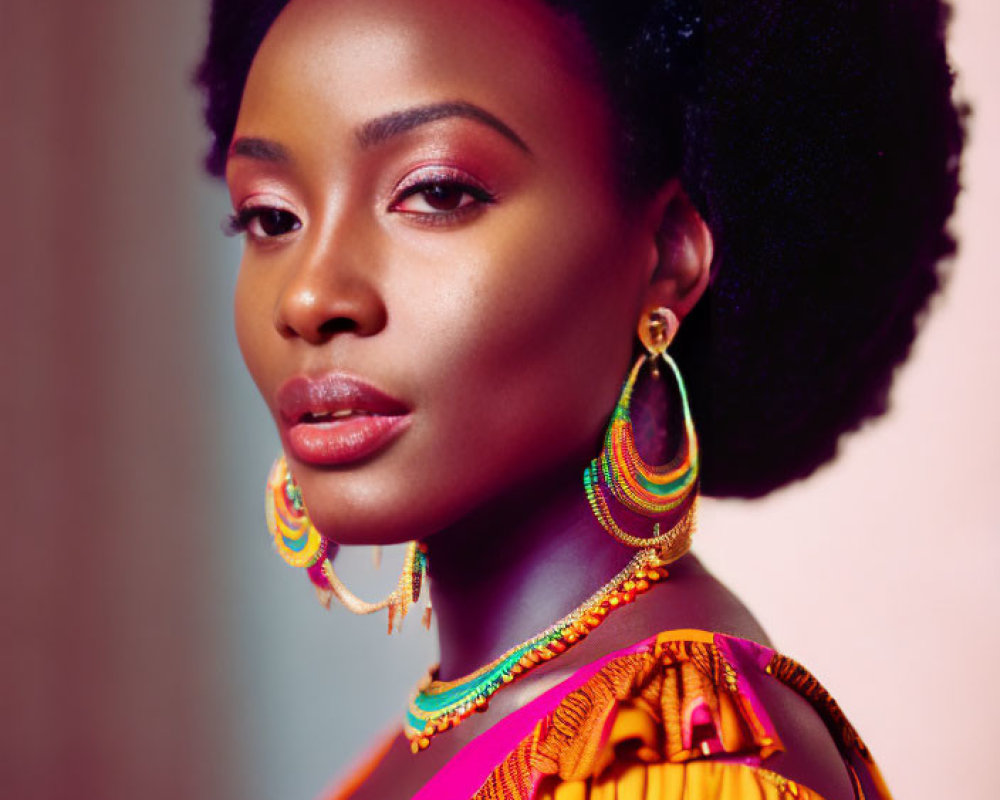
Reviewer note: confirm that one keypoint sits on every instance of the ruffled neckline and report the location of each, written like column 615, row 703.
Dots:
column 683, row 696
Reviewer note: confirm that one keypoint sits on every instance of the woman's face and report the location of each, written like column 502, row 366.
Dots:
column 440, row 285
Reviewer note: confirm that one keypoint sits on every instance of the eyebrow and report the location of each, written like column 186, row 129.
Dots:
column 380, row 129
column 260, row 149
column 397, row 123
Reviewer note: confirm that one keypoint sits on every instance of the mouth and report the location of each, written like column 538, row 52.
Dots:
column 316, row 417
column 338, row 419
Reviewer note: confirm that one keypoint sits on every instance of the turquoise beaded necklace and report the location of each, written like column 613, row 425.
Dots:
column 437, row 705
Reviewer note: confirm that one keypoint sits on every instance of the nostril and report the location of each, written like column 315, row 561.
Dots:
column 317, row 333
column 317, row 306
column 337, row 325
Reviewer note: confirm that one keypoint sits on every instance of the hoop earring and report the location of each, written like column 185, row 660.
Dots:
column 619, row 474
column 300, row 544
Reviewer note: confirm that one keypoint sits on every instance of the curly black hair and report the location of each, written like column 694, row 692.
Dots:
column 821, row 144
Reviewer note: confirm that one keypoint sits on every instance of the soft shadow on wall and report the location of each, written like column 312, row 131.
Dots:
column 115, row 687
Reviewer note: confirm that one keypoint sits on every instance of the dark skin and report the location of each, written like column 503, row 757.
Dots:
column 478, row 263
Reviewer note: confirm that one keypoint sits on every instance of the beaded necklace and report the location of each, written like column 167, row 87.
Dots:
column 437, row 705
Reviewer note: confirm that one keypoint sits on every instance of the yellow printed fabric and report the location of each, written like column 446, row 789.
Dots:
column 695, row 780
column 682, row 719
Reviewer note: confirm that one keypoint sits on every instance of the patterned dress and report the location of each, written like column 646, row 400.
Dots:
column 677, row 716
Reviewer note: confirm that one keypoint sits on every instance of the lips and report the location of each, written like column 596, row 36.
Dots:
column 338, row 419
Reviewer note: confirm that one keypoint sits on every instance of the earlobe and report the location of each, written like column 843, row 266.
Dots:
column 683, row 253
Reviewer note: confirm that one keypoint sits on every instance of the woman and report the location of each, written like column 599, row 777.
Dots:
column 466, row 224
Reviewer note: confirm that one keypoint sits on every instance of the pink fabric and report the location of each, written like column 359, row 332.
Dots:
column 469, row 768
column 743, row 653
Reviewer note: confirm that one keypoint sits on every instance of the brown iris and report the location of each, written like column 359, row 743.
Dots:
column 443, row 196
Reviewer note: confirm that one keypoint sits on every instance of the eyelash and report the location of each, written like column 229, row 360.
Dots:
column 452, row 181
column 240, row 222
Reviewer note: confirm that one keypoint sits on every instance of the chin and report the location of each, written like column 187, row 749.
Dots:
column 370, row 516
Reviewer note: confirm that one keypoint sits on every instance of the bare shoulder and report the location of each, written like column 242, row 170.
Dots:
column 697, row 599
column 811, row 757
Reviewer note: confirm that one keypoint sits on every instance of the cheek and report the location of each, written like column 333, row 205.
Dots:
column 523, row 333
column 562, row 294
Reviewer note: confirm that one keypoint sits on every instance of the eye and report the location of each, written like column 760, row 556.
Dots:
column 262, row 222
column 440, row 197
column 430, row 198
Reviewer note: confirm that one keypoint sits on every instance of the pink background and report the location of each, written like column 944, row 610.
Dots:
column 154, row 647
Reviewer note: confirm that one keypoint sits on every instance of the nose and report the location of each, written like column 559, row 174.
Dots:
column 331, row 290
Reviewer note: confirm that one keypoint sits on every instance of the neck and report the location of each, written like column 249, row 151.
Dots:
column 511, row 569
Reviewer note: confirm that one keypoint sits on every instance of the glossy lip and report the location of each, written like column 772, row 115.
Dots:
column 305, row 406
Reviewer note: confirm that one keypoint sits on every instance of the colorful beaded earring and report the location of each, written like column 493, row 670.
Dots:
column 664, row 493
column 301, row 545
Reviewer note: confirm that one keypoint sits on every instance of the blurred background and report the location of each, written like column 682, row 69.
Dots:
column 152, row 644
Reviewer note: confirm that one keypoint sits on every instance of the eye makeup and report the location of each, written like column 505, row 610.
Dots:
column 440, row 195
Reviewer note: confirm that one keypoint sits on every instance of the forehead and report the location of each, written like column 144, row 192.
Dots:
column 342, row 62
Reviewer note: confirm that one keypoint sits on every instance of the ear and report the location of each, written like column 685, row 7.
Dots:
column 680, row 256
